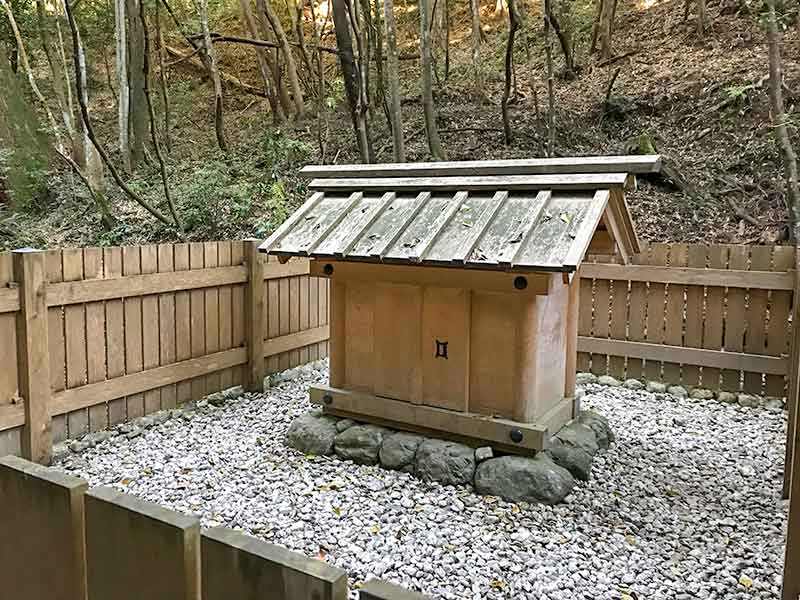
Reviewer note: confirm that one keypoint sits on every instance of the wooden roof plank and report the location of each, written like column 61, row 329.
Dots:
column 588, row 226
column 484, row 222
column 567, row 181
column 420, row 201
column 289, row 223
column 381, row 206
column 455, row 206
column 525, row 232
column 553, row 237
column 643, row 164
column 352, row 202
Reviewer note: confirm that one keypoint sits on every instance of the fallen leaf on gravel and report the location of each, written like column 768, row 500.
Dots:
column 746, row 581
column 498, row 584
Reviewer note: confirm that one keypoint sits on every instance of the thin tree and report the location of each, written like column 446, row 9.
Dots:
column 352, row 79
column 273, row 58
column 514, row 23
column 152, row 114
column 362, row 56
column 606, row 26
column 380, row 87
column 393, row 68
column 137, row 114
column 59, row 82
column 291, row 65
column 477, row 68
column 162, row 78
column 701, row 19
column 431, row 130
column 84, row 108
column 322, row 115
column 123, row 107
column 551, row 99
column 208, row 48
column 263, row 65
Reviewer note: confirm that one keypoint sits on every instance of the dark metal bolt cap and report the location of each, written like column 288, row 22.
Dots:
column 328, row 269
column 520, row 282
column 328, row 399
column 515, row 435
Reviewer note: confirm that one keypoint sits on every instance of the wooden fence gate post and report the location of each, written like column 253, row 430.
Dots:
column 33, row 360
column 254, row 316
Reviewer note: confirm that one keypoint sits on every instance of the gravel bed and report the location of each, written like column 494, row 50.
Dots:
column 685, row 505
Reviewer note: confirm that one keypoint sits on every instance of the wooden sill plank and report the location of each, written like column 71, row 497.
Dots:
column 467, row 425
column 9, row 300
column 735, row 361
column 765, row 280
column 293, row 341
column 576, row 164
column 569, row 181
column 76, row 292
column 12, row 415
column 293, row 268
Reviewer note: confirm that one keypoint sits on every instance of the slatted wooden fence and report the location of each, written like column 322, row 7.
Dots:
column 103, row 544
column 128, row 331
column 716, row 317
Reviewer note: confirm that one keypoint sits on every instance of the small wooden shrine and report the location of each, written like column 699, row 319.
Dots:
column 454, row 295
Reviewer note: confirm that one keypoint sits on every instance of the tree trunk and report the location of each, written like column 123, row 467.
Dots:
column 551, row 99
column 273, row 58
column 513, row 26
column 565, row 41
column 121, row 42
column 202, row 11
column 57, row 75
column 152, row 114
column 137, row 116
column 366, row 47
column 350, row 74
column 162, row 76
column 434, row 144
column 93, row 165
column 263, row 65
column 606, row 27
column 393, row 68
column 301, row 40
column 322, row 115
column 291, row 65
column 701, row 19
column 87, row 123
column 477, row 68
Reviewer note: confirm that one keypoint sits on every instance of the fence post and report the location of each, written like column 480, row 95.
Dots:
column 254, row 316
column 33, row 360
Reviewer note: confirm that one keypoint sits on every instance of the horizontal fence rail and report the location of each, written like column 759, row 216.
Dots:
column 128, row 331
column 716, row 317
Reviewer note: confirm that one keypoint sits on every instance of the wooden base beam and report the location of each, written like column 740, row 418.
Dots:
column 472, row 428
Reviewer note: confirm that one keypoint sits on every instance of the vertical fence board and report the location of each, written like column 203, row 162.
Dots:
column 115, row 334
column 225, row 314
column 695, row 304
column 238, row 312
column 779, row 328
column 303, row 353
column 75, row 338
column 166, row 325
column 273, row 320
column 197, row 318
column 183, row 324
column 674, row 312
column 714, row 320
column 755, row 335
column 585, row 320
column 150, row 328
column 95, row 337
column 9, row 381
column 294, row 316
column 324, row 310
column 211, row 252
column 618, row 328
column 600, row 322
column 55, row 339
column 313, row 313
column 656, row 306
column 132, row 265
column 284, row 324
column 637, row 316
column 735, row 317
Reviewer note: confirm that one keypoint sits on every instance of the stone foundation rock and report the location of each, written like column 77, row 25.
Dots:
column 546, row 478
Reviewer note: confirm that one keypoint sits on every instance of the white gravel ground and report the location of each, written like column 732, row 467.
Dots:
column 685, row 505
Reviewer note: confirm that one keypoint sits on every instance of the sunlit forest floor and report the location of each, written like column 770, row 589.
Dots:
column 703, row 104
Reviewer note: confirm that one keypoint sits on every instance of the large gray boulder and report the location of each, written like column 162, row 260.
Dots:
column 523, row 479
column 578, row 435
column 399, row 449
column 360, row 443
column 446, row 462
column 312, row 433
column 575, row 460
column 600, row 425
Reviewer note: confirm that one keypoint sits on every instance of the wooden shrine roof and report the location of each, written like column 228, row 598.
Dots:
column 462, row 217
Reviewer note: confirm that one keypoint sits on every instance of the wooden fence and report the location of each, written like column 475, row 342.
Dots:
column 716, row 317
column 76, row 543
column 96, row 336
